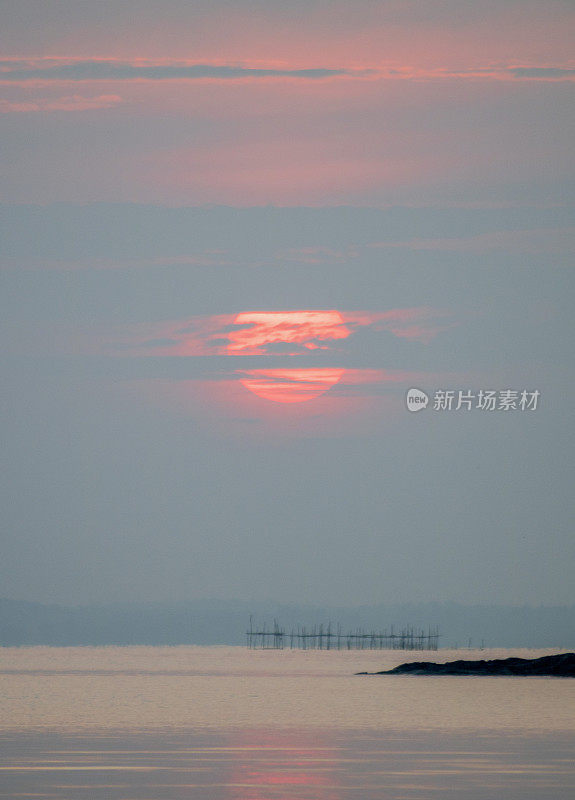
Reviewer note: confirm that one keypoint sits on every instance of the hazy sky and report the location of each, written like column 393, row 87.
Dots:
column 178, row 180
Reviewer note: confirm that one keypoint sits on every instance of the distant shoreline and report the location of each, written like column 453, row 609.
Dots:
column 558, row 666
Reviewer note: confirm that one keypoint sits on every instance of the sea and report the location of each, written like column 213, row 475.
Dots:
column 229, row 723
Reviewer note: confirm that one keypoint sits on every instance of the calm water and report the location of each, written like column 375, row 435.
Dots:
column 151, row 723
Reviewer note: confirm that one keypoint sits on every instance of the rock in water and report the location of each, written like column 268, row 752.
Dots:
column 560, row 666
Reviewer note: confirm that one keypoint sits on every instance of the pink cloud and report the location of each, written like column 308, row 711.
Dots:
column 73, row 102
column 450, row 34
column 49, row 70
column 539, row 240
column 417, row 324
column 288, row 333
column 285, row 168
column 317, row 255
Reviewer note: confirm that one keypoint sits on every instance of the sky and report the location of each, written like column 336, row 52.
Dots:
column 234, row 234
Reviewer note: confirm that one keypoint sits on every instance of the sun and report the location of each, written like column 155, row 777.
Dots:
column 290, row 385
column 287, row 333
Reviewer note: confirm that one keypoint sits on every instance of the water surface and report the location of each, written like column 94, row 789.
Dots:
column 151, row 723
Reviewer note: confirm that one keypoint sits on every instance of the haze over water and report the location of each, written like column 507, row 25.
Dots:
column 128, row 723
column 234, row 236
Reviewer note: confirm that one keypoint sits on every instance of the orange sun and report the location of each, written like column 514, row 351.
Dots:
column 290, row 385
column 287, row 333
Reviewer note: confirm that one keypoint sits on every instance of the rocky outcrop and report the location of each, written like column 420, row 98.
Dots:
column 559, row 666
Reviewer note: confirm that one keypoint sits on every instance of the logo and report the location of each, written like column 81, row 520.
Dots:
column 484, row 400
column 416, row 400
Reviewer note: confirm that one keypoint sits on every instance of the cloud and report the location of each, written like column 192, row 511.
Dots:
column 542, row 72
column 296, row 329
column 289, row 333
column 36, row 70
column 533, row 240
column 17, row 70
column 73, row 102
column 419, row 324
column 478, row 72
column 283, row 348
column 317, row 255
